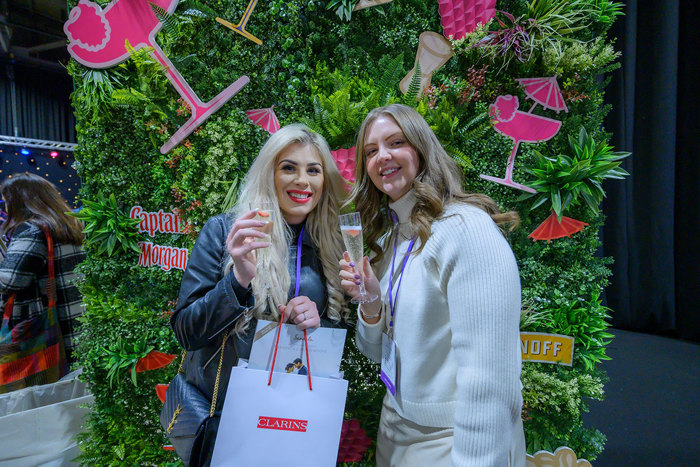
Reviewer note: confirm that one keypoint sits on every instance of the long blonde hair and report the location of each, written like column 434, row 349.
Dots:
column 438, row 182
column 321, row 224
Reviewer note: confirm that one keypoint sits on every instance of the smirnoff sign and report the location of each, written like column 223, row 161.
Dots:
column 286, row 424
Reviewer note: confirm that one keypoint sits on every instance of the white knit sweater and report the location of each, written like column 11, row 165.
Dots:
column 456, row 327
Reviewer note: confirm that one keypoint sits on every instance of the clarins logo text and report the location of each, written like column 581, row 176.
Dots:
column 286, row 424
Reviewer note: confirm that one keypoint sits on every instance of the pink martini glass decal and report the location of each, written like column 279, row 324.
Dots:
column 97, row 39
column 264, row 118
column 460, row 17
column 525, row 126
column 240, row 27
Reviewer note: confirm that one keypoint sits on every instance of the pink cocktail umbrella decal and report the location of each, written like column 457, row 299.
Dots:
column 544, row 91
column 460, row 17
column 264, row 118
column 97, row 39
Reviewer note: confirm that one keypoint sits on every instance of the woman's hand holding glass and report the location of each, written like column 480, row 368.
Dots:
column 243, row 240
column 301, row 311
column 351, row 282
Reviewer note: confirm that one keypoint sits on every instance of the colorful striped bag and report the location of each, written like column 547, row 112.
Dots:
column 32, row 352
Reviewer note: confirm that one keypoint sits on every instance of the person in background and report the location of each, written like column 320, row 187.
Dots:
column 446, row 324
column 225, row 288
column 32, row 204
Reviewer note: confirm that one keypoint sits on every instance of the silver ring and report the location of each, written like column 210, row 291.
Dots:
column 304, row 316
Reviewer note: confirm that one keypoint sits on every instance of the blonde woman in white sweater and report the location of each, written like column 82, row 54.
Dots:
column 445, row 327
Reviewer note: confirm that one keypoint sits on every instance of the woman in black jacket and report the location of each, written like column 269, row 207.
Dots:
column 225, row 289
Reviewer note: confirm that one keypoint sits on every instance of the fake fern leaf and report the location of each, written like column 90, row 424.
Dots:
column 414, row 91
column 386, row 87
column 458, row 155
column 167, row 20
column 476, row 128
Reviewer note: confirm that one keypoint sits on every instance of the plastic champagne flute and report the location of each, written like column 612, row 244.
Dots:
column 351, row 229
column 264, row 212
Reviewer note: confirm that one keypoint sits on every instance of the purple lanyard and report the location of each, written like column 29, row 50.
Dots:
column 297, row 281
column 392, row 303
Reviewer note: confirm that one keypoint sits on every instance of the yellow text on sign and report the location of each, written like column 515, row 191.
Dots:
column 547, row 348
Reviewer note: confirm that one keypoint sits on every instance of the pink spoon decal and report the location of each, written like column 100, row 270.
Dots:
column 97, row 39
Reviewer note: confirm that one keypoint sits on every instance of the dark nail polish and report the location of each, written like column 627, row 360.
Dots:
column 357, row 276
column 357, row 282
column 352, row 265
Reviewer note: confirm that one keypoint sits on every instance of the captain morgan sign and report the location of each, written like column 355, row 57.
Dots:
column 167, row 257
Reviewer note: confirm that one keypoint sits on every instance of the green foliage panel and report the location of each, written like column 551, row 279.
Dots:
column 320, row 68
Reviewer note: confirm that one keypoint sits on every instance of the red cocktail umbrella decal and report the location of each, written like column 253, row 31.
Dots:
column 551, row 228
column 153, row 361
column 345, row 160
column 353, row 442
column 544, row 91
column 160, row 391
column 264, row 118
column 460, row 17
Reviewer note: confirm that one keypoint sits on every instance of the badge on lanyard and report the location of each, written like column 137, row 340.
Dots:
column 388, row 372
column 388, row 369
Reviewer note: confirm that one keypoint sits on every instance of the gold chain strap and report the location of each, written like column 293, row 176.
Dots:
column 218, row 376
column 182, row 360
column 214, row 396
column 171, row 425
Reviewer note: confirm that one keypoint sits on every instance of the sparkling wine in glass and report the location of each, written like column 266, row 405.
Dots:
column 264, row 212
column 351, row 229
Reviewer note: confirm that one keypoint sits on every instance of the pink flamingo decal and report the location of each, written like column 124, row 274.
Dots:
column 525, row 126
column 97, row 39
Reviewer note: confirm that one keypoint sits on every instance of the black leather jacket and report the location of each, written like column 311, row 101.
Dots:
column 210, row 302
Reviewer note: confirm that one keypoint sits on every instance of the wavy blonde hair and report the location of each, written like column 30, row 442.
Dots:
column 437, row 183
column 321, row 224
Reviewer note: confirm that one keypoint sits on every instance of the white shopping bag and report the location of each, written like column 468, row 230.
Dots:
column 284, row 424
column 38, row 424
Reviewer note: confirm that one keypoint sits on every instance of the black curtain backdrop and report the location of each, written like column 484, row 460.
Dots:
column 43, row 103
column 654, row 217
column 58, row 170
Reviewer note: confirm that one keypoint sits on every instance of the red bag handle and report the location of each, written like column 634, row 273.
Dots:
column 274, row 355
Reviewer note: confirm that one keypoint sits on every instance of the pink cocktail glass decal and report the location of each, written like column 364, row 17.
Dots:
column 264, row 118
column 460, row 17
column 525, row 126
column 97, row 39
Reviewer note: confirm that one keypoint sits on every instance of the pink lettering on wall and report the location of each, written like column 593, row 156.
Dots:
column 167, row 257
column 154, row 222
